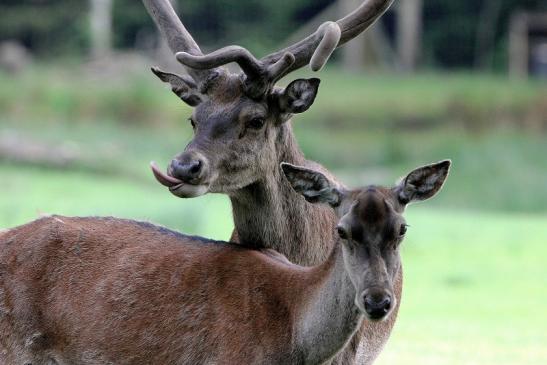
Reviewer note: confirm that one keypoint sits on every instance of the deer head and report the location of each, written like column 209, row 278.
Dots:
column 371, row 226
column 239, row 119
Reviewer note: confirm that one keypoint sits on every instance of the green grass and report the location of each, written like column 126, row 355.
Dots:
column 475, row 290
column 72, row 93
column 28, row 192
column 504, row 169
column 417, row 101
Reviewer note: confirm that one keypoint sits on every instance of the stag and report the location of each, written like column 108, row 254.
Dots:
column 242, row 131
column 95, row 291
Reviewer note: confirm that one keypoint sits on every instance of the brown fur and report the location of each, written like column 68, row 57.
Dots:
column 127, row 283
column 103, row 290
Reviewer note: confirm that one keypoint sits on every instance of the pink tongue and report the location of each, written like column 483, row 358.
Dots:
column 163, row 178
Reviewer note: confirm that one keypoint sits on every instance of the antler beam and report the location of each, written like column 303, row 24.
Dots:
column 350, row 26
column 174, row 32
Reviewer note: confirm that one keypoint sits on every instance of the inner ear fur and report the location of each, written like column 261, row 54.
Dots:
column 423, row 182
column 312, row 185
column 182, row 85
column 298, row 96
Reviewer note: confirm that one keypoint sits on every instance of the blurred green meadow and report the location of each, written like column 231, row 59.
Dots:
column 474, row 258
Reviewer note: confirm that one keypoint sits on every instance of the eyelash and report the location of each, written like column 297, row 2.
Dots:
column 403, row 230
column 256, row 123
column 342, row 233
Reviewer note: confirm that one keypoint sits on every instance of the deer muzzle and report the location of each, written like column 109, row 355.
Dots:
column 185, row 180
column 376, row 304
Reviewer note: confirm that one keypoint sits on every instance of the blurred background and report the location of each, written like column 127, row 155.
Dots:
column 81, row 116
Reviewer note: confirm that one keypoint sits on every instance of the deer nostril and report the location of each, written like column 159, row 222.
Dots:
column 377, row 307
column 195, row 167
column 188, row 171
column 385, row 304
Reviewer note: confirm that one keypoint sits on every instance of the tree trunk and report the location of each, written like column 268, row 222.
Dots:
column 518, row 46
column 353, row 56
column 164, row 55
column 409, row 33
column 486, row 33
column 101, row 27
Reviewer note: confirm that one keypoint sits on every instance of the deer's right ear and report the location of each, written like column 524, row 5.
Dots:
column 183, row 86
column 298, row 96
column 313, row 185
column 423, row 182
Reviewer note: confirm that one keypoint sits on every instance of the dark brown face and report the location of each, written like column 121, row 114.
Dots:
column 371, row 227
column 236, row 138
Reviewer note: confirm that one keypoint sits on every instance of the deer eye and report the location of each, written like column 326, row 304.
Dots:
column 256, row 123
column 192, row 122
column 342, row 233
column 403, row 230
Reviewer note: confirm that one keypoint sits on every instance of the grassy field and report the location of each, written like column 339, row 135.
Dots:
column 474, row 258
column 475, row 288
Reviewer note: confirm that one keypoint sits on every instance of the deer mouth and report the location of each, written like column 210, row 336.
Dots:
column 176, row 186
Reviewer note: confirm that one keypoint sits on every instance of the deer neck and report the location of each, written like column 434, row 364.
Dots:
column 328, row 316
column 269, row 214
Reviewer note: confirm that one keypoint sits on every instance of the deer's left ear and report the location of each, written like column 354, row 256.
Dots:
column 183, row 86
column 313, row 185
column 423, row 182
column 298, row 96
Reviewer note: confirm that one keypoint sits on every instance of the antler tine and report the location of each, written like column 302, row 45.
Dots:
column 258, row 86
column 172, row 29
column 249, row 64
column 361, row 18
column 350, row 26
column 329, row 41
column 277, row 70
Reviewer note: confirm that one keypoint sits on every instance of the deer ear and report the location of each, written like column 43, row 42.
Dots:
column 183, row 86
column 298, row 96
column 423, row 183
column 312, row 185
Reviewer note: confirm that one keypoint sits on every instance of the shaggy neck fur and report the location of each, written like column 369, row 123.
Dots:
column 270, row 214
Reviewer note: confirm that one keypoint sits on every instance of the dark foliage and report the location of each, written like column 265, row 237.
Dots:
column 53, row 27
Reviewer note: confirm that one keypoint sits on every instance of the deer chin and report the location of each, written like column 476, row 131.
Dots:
column 176, row 186
column 189, row 191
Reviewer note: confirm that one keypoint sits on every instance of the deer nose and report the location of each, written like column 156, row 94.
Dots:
column 377, row 305
column 188, row 168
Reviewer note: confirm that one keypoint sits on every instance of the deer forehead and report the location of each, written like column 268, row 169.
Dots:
column 230, row 89
column 234, row 109
column 373, row 212
column 371, row 206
